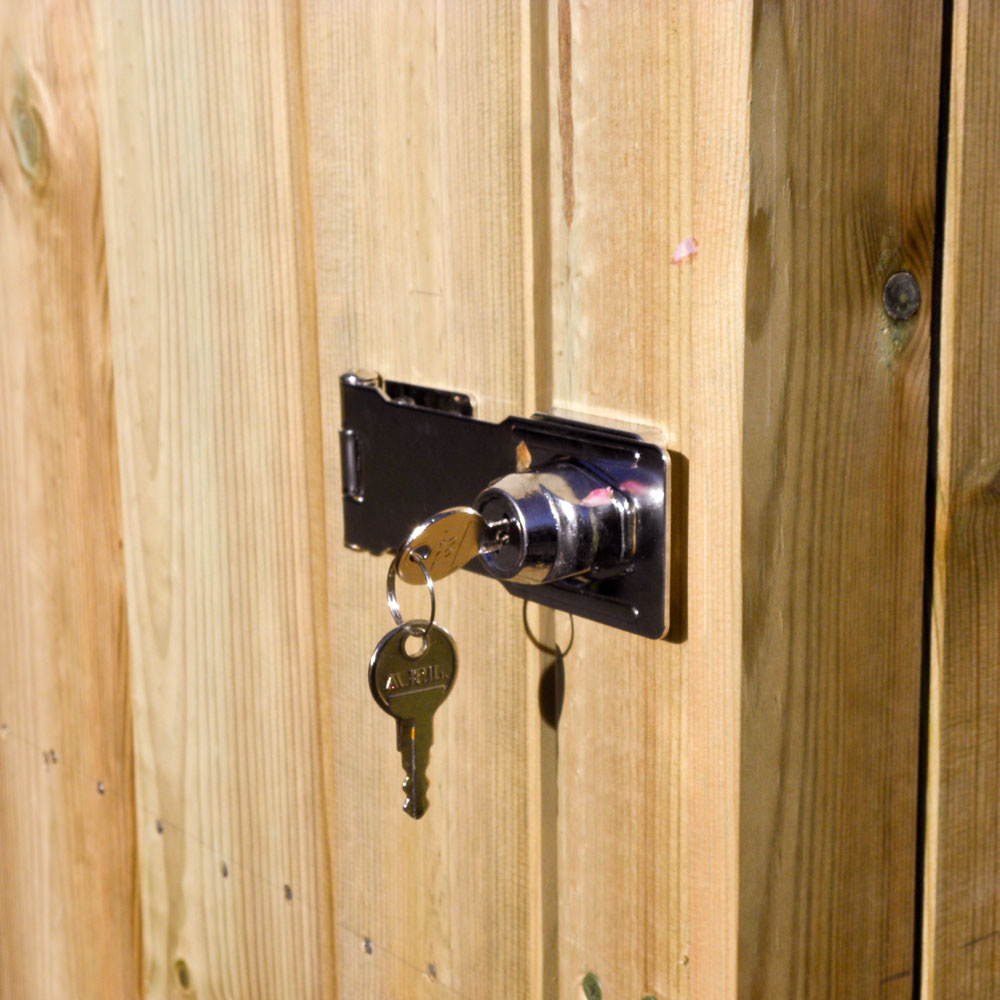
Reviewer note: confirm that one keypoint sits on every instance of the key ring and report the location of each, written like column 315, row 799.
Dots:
column 551, row 650
column 415, row 628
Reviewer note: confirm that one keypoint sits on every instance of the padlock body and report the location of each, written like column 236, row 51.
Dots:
column 564, row 520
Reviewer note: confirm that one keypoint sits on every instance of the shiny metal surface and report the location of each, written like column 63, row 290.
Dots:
column 597, row 529
column 410, row 688
column 443, row 543
column 414, row 628
column 566, row 521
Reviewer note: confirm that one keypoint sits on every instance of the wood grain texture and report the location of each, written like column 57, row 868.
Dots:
column 420, row 139
column 649, row 146
column 69, row 921
column 210, row 276
column 962, row 890
column 843, row 158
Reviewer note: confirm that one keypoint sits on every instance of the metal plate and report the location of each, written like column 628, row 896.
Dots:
column 404, row 458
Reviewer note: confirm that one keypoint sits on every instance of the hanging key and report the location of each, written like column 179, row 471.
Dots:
column 410, row 687
column 449, row 540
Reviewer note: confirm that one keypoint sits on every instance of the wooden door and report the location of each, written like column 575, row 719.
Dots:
column 678, row 214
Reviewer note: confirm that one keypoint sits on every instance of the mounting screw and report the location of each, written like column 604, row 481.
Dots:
column 901, row 295
column 592, row 987
column 363, row 376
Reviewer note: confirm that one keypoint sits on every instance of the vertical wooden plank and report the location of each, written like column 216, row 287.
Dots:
column 68, row 898
column 419, row 132
column 842, row 188
column 962, row 890
column 210, row 274
column 649, row 141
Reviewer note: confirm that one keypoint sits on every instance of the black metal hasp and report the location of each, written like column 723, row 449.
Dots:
column 585, row 508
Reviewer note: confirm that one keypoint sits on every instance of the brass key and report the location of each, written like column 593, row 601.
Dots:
column 447, row 541
column 410, row 688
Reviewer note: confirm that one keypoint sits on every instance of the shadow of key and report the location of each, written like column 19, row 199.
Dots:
column 551, row 687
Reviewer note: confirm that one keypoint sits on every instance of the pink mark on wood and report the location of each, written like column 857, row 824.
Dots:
column 687, row 247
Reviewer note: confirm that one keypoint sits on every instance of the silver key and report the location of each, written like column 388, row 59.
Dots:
column 447, row 541
column 410, row 688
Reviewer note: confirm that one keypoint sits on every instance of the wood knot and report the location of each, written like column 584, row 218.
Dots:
column 990, row 489
column 183, row 975
column 30, row 142
column 979, row 485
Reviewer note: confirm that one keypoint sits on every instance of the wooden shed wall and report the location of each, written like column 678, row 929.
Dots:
column 209, row 211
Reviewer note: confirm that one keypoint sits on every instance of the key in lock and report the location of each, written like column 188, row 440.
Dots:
column 560, row 521
column 530, row 527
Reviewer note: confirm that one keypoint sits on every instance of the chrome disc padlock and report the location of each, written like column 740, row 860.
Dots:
column 562, row 520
